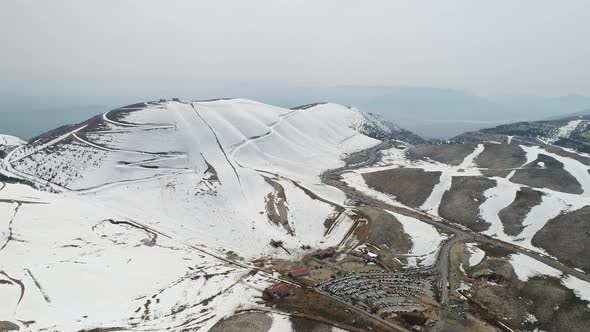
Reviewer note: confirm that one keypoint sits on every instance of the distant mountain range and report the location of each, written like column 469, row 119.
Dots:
column 29, row 109
column 572, row 131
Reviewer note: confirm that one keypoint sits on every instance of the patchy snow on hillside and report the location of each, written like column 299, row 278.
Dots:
column 580, row 287
column 497, row 198
column 395, row 158
column 280, row 323
column 426, row 240
column 526, row 267
column 567, row 130
column 467, row 167
column 552, row 203
column 354, row 179
column 476, row 255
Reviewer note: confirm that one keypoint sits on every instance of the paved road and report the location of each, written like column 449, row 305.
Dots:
column 443, row 266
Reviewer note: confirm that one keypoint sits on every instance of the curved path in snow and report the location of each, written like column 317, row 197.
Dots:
column 145, row 126
column 157, row 157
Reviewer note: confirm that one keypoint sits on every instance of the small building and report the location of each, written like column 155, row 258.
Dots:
column 357, row 253
column 175, row 99
column 298, row 272
column 281, row 290
column 367, row 258
column 323, row 253
column 162, row 100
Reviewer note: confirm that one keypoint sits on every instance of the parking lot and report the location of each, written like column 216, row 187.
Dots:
column 382, row 292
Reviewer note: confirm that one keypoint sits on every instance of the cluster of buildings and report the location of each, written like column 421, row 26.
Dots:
column 298, row 272
column 364, row 255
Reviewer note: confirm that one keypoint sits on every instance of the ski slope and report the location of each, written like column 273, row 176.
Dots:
column 501, row 195
column 156, row 210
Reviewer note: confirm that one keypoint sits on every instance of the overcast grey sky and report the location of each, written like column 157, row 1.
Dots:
column 486, row 46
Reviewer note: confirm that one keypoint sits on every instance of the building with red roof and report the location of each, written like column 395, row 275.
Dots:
column 297, row 272
column 281, row 290
column 323, row 253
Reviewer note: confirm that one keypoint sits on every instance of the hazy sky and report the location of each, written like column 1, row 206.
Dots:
column 487, row 46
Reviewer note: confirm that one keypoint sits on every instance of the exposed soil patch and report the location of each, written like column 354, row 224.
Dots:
column 9, row 179
column 244, row 322
column 356, row 158
column 499, row 159
column 307, row 303
column 305, row 325
column 513, row 215
column 452, row 154
column 567, row 237
column 461, row 203
column 552, row 176
column 387, row 230
column 479, row 137
column 387, row 233
column 411, row 186
column 561, row 152
column 8, row 326
column 541, row 302
column 121, row 113
column 276, row 205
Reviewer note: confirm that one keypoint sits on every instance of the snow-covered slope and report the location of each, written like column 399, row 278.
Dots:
column 7, row 143
column 220, row 165
column 9, row 140
column 160, row 208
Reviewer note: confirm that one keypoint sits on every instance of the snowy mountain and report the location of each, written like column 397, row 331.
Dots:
column 148, row 201
column 184, row 216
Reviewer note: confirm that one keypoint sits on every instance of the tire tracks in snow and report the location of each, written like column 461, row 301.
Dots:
column 220, row 146
column 38, row 285
column 19, row 283
column 270, row 131
column 9, row 228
